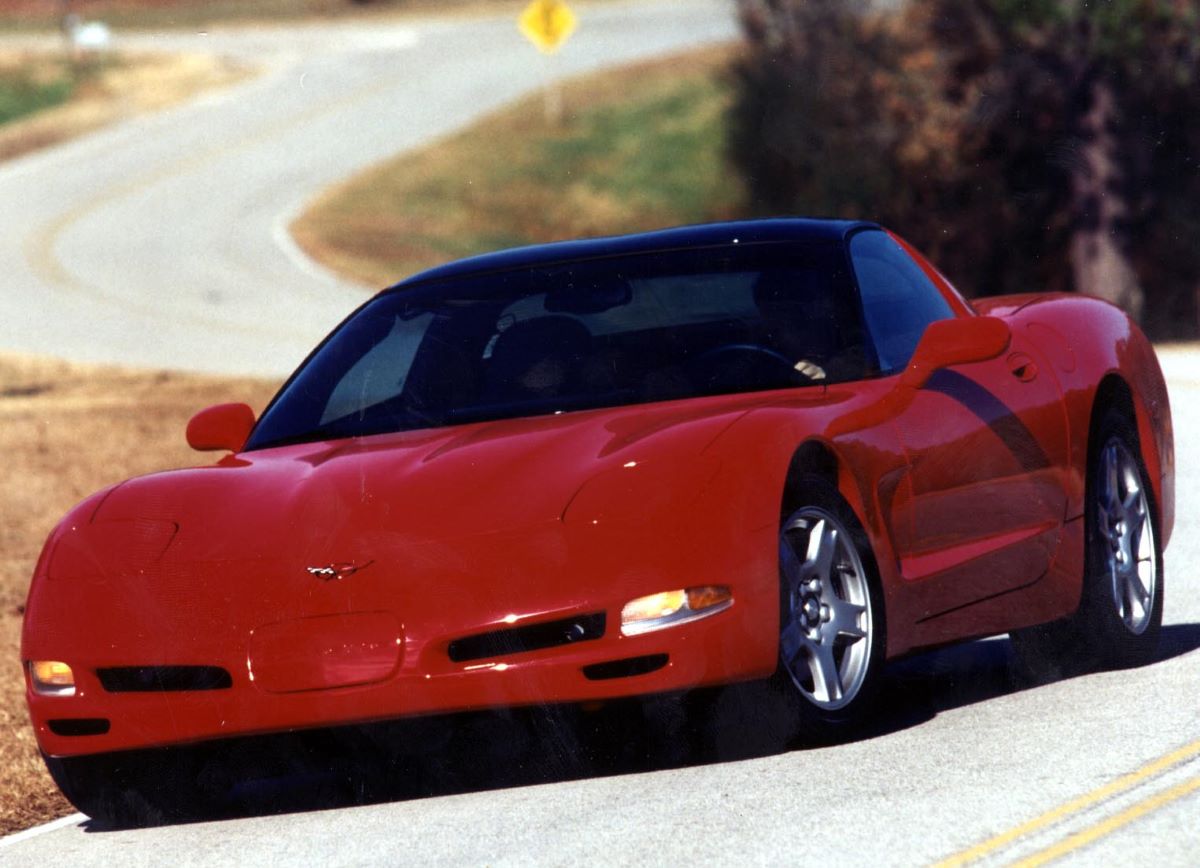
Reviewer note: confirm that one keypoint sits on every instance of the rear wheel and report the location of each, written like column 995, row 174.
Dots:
column 1120, row 613
column 831, row 642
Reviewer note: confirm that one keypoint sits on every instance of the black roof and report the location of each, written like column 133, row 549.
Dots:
column 704, row 235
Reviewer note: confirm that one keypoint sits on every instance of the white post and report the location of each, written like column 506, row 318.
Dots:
column 551, row 92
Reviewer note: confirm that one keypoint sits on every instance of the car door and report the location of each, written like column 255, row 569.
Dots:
column 980, row 510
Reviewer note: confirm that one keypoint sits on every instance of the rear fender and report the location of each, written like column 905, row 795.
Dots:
column 1089, row 340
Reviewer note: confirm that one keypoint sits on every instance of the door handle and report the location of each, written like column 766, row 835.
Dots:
column 1022, row 367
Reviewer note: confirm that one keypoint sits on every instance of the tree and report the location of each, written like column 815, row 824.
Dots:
column 1029, row 144
column 1086, row 115
column 806, row 125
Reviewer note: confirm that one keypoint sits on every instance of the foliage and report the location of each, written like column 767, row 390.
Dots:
column 806, row 97
column 1028, row 144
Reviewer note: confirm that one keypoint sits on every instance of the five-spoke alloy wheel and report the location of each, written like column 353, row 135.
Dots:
column 831, row 625
column 1125, row 533
column 1120, row 611
column 1120, row 615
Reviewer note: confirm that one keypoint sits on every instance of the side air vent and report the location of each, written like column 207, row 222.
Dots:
column 517, row 640
column 79, row 726
column 163, row 679
column 625, row 668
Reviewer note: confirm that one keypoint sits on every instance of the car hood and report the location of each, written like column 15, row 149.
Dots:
column 333, row 501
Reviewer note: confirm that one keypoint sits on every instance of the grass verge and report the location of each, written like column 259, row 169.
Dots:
column 29, row 88
column 637, row 149
column 55, row 100
column 68, row 430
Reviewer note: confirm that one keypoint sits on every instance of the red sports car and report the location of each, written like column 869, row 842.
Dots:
column 598, row 469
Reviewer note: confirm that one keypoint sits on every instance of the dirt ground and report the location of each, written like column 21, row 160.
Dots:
column 66, row 431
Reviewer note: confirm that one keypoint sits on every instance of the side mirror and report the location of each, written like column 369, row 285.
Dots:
column 945, row 342
column 225, row 426
column 960, row 341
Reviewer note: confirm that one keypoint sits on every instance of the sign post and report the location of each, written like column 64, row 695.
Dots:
column 548, row 24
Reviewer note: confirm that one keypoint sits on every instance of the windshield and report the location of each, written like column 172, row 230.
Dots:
column 578, row 335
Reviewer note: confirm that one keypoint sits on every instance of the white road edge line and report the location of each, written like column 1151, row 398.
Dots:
column 53, row 825
column 281, row 234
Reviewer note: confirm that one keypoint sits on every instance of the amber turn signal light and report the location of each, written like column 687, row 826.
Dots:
column 51, row 678
column 668, row 608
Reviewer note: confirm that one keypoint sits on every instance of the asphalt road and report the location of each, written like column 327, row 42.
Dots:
column 162, row 242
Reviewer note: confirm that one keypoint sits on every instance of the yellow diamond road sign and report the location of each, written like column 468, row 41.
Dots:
column 547, row 24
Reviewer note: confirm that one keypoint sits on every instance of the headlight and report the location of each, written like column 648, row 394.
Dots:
column 51, row 678
column 668, row 608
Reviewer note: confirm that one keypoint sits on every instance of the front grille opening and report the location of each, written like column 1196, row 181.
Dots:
column 625, row 668
column 79, row 726
column 163, row 679
column 517, row 640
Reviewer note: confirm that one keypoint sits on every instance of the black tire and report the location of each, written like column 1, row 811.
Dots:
column 1116, row 625
column 137, row 788
column 832, row 624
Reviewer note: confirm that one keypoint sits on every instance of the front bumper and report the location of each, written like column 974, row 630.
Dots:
column 713, row 650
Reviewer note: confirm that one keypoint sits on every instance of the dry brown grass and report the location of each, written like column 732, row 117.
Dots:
column 120, row 87
column 67, row 430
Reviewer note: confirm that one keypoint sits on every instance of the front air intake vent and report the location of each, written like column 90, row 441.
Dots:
column 77, row 726
column 518, row 640
column 626, row 668
column 163, row 679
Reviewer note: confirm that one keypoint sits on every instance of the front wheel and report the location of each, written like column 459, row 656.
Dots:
column 831, row 642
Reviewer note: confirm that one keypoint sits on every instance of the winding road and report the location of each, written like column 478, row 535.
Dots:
column 163, row 242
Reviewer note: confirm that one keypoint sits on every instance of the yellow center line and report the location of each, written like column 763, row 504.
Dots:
column 1105, row 827
column 1054, row 815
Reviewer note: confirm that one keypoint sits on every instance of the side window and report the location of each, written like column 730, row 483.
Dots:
column 899, row 301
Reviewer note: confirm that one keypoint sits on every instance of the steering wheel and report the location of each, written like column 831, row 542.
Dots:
column 762, row 366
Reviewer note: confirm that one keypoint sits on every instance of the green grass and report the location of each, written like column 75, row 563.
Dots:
column 637, row 149
column 22, row 94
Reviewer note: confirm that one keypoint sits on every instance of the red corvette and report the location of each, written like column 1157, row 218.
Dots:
column 782, row 449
